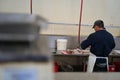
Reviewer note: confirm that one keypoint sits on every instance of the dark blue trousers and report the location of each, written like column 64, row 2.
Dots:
column 100, row 65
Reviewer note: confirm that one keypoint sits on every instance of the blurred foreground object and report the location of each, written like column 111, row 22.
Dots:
column 23, row 27
column 24, row 53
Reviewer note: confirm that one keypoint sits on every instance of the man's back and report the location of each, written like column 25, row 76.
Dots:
column 101, row 43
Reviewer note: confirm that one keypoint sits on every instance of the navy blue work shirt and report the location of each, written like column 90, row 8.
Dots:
column 101, row 42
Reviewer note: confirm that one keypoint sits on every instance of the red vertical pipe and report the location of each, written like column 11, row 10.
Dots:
column 81, row 6
column 30, row 6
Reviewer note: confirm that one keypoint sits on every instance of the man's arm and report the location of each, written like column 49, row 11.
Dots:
column 88, row 42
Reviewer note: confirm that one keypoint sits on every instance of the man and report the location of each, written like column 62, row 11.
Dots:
column 101, row 42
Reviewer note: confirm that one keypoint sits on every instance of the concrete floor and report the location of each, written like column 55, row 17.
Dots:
column 87, row 76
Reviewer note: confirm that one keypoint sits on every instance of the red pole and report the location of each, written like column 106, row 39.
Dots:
column 80, row 21
column 30, row 6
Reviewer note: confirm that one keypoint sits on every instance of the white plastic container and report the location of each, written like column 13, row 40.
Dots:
column 61, row 44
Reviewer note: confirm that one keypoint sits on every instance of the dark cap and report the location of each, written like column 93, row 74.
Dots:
column 99, row 23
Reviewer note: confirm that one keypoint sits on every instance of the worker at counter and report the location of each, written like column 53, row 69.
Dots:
column 101, row 43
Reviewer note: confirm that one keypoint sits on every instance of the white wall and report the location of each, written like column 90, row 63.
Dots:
column 107, row 10
column 14, row 6
column 67, row 11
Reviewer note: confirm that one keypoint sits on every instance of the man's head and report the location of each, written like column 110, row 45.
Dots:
column 98, row 25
